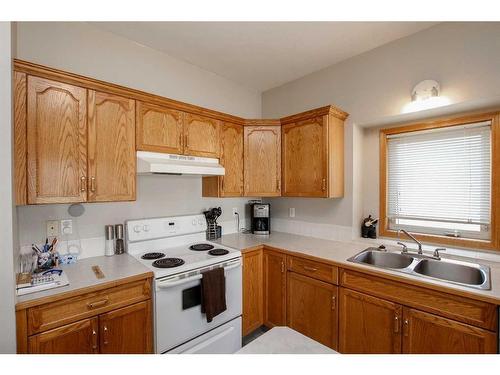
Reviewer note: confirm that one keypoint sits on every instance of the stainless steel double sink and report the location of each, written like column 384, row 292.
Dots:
column 468, row 274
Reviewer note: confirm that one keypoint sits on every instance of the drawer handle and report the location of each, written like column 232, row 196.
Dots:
column 83, row 183
column 334, row 303
column 282, row 267
column 92, row 184
column 312, row 269
column 405, row 328
column 96, row 304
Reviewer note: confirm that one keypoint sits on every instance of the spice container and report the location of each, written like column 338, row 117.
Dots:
column 109, row 248
column 119, row 245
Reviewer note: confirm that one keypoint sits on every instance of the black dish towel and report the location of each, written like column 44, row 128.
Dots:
column 213, row 293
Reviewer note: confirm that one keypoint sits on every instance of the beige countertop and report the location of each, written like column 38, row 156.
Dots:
column 337, row 252
column 117, row 268
column 284, row 340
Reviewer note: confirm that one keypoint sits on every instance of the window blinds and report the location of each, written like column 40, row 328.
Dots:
column 439, row 180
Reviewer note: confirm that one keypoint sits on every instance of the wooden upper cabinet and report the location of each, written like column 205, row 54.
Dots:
column 253, row 313
column 159, row 129
column 368, row 325
column 127, row 330
column 76, row 338
column 201, row 136
column 274, row 288
column 111, row 157
column 262, row 151
column 312, row 308
column 57, row 142
column 425, row 333
column 231, row 158
column 313, row 153
column 305, row 165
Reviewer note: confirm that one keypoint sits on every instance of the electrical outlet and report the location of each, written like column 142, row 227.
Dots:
column 52, row 228
column 235, row 210
column 67, row 226
column 292, row 212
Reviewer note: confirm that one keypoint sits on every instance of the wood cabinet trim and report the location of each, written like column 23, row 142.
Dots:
column 20, row 139
column 326, row 110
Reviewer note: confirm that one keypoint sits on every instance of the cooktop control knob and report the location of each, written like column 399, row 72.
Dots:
column 145, row 228
column 137, row 228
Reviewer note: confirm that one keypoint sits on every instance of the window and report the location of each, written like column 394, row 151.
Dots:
column 437, row 181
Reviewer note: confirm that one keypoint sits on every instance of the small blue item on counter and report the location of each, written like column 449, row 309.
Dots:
column 68, row 258
column 52, row 271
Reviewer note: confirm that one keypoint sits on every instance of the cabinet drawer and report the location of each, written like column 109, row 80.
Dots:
column 316, row 270
column 477, row 313
column 54, row 314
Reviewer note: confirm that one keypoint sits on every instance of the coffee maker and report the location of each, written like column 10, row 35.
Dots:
column 260, row 214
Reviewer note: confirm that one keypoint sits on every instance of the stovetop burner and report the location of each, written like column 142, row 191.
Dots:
column 201, row 247
column 168, row 263
column 151, row 256
column 218, row 252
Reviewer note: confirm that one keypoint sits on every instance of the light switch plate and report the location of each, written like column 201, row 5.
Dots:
column 67, row 226
column 52, row 228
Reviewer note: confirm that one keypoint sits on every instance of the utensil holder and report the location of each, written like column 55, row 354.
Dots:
column 212, row 231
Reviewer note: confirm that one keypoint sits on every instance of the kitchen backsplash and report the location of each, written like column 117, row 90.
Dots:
column 156, row 196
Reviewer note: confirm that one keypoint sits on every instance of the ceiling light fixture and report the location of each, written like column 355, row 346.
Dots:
column 425, row 95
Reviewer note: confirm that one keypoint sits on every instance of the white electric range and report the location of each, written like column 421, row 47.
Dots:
column 176, row 250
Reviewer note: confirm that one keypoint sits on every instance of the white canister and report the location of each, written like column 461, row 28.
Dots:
column 109, row 245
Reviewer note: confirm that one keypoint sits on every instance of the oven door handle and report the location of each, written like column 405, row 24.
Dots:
column 232, row 266
column 169, row 284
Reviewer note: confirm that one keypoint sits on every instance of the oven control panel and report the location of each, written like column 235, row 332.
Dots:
column 147, row 229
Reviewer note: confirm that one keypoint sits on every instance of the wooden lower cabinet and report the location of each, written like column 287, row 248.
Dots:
column 126, row 330
column 274, row 288
column 312, row 308
column 80, row 337
column 425, row 333
column 253, row 297
column 368, row 324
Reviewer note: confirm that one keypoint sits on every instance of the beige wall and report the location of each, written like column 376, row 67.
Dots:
column 82, row 48
column 7, row 217
column 373, row 87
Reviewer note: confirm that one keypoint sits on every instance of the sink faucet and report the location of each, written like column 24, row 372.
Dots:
column 413, row 238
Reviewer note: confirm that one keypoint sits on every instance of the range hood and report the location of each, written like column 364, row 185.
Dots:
column 159, row 163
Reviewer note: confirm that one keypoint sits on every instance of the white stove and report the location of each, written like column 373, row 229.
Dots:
column 176, row 250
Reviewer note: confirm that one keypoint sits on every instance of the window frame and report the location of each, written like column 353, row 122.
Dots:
column 490, row 244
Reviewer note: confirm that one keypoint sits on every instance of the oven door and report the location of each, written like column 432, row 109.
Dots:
column 178, row 315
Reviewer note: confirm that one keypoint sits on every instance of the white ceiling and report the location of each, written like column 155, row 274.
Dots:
column 263, row 55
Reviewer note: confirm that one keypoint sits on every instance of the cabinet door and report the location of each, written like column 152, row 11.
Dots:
column 232, row 160
column 305, row 165
column 274, row 288
column 158, row 129
column 201, row 136
column 312, row 308
column 76, row 338
column 368, row 325
column 252, row 292
column 262, row 150
column 127, row 330
column 57, row 142
column 425, row 333
column 112, row 160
